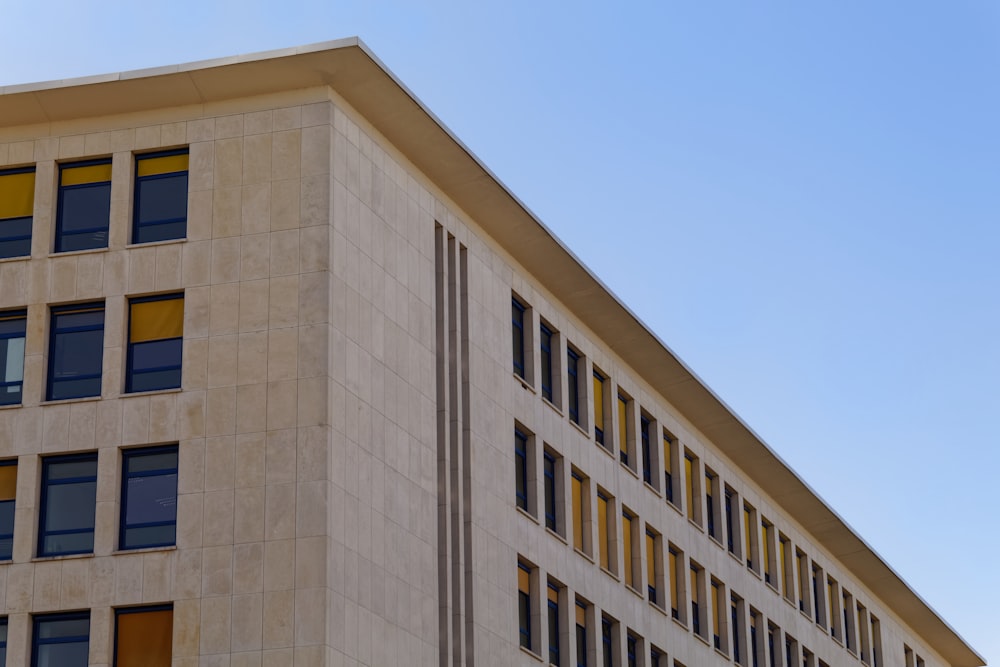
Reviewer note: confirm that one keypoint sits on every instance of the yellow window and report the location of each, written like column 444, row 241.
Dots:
column 90, row 173
column 164, row 164
column 599, row 403
column 157, row 320
column 577, row 494
column 602, row 529
column 627, row 538
column 716, row 611
column 666, row 457
column 674, row 593
column 622, row 427
column 581, row 615
column 651, row 560
column 523, row 580
column 17, row 194
column 145, row 638
column 689, row 483
column 766, row 551
column 8, row 482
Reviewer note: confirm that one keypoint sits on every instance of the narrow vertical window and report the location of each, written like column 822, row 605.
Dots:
column 652, row 570
column 668, row 466
column 607, row 644
column 545, row 344
column 772, row 648
column 716, row 615
column 517, row 334
column 631, row 649
column 581, row 634
column 576, row 484
column 161, row 194
column 689, row 483
column 817, row 592
column 17, row 202
column 144, row 636
column 76, row 351
column 787, row 575
column 803, row 567
column 833, row 600
column 750, row 536
column 711, row 480
column 8, row 491
column 850, row 634
column 69, row 495
column 647, row 454
column 754, row 641
column 549, row 472
column 149, row 498
column 630, row 578
column 521, row 469
column 155, row 343
column 695, row 600
column 730, row 538
column 599, row 408
column 524, row 604
column 603, row 538
column 656, row 658
column 553, row 617
column 61, row 639
column 863, row 644
column 573, row 385
column 623, row 430
column 12, row 327
column 768, row 551
column 3, row 641
column 84, row 206
column 673, row 565
column 876, row 642
column 734, row 625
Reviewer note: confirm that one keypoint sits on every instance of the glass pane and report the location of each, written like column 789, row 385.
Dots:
column 64, row 627
column 160, row 232
column 169, row 379
column 151, row 499
column 68, row 543
column 153, row 461
column 70, row 506
column 84, row 241
column 78, row 353
column 163, row 198
column 136, row 538
column 21, row 248
column 75, row 388
column 144, row 639
column 69, row 469
column 157, row 354
column 63, row 655
column 85, row 208
column 15, row 227
column 7, row 517
column 11, row 359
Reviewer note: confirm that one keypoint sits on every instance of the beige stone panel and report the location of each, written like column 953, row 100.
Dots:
column 282, row 354
column 90, row 275
column 314, row 249
column 251, row 408
column 56, row 428
column 227, row 212
column 107, row 475
column 168, row 267
column 34, row 381
column 224, row 316
column 173, row 134
column 97, row 143
column 14, row 278
column 197, row 311
column 147, row 137
column 284, row 252
column 310, row 656
column 314, row 204
column 135, row 420
column 217, row 570
column 194, row 364
column 253, row 305
column 202, row 129
column 122, row 140
column 62, row 278
column 282, row 404
column 74, row 590
column 256, row 208
column 142, row 270
column 47, row 580
column 281, row 657
column 279, row 511
column 255, row 253
column 278, row 554
column 228, row 163
column 20, row 585
column 287, row 118
column 314, row 290
column 24, row 533
column 248, row 565
column 246, row 659
column 284, row 302
column 187, row 628
column 119, row 229
column 215, row 625
column 108, row 422
column 286, row 154
column 310, row 616
column 229, row 126
column 252, row 362
column 196, row 263
column 316, row 155
column 128, row 579
column 189, row 520
column 72, row 147
column 201, row 166
column 191, row 466
column 201, row 204
column 250, row 458
column 219, row 515
column 225, row 260
column 105, row 522
column 312, row 453
column 38, row 280
column 101, row 634
column 7, row 434
column 28, row 430
column 312, row 403
column 186, row 574
column 257, row 122
column 279, row 611
column 285, row 204
column 222, row 351
column 310, row 561
column 115, row 324
column 23, row 152
column 102, row 581
column 317, row 113
column 280, row 462
column 220, row 455
column 191, row 407
column 247, row 621
column 163, row 418
column 256, row 158
column 157, row 574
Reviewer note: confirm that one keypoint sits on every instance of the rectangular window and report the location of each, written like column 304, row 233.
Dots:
column 656, row 657
column 155, row 343
column 833, row 602
column 817, row 595
column 750, row 536
column 653, row 568
column 598, row 407
column 791, row 650
column 607, row 642
column 3, row 641
column 735, row 626
column 876, row 642
column 581, row 634
column 623, row 430
column 603, row 532
column 717, row 612
column 69, row 495
column 690, row 497
column 149, row 498
column 755, row 646
column 553, row 618
column 711, row 494
column 863, row 644
column 8, row 491
column 576, row 493
column 730, row 510
column 696, row 603
column 76, row 351
column 647, row 454
column 17, row 203
column 12, row 327
column 549, row 474
column 787, row 574
column 850, row 635
column 545, row 343
column 803, row 566
column 674, row 563
column 144, row 636
column 631, row 649
column 772, row 645
column 84, row 206
column 768, row 551
column 524, row 604
column 60, row 639
column 521, row 469
column 161, row 194
column 631, row 574
column 573, row 385
column 517, row 334
column 669, row 444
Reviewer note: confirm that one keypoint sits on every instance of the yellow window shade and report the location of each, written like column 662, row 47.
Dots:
column 8, row 482
column 145, row 639
column 602, row 528
column 165, row 164
column 91, row 173
column 746, row 530
column 599, row 403
column 156, row 320
column 716, row 612
column 627, row 539
column 689, row 482
column 17, row 195
column 581, row 616
column 674, row 593
column 767, row 548
column 622, row 423
column 523, row 580
column 694, row 585
column 553, row 595
column 651, row 559
column 577, row 486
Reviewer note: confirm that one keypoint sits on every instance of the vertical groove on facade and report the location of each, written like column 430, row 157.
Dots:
column 455, row 452
column 443, row 458
column 466, row 457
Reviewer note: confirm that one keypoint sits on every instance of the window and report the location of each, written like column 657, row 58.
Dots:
column 717, row 611
column 3, row 641
column 755, row 623
column 598, row 407
column 607, row 642
column 84, row 205
column 517, row 332
column 155, row 343
column 833, row 613
column 581, row 634
column 524, row 604
column 161, row 192
column 656, row 657
column 693, row 507
column 144, row 636
column 61, row 639
column 674, row 564
column 863, row 642
column 76, row 351
column 817, row 594
column 12, row 326
column 876, row 642
column 623, row 430
column 631, row 649
column 669, row 447
column 17, row 201
column 654, row 569
column 730, row 497
column 750, row 536
column 149, row 498
column 521, row 469
column 791, row 650
column 803, row 565
column 647, row 454
column 697, row 607
column 768, row 551
column 549, row 472
column 573, row 385
column 603, row 532
column 631, row 572
column 8, row 491
column 787, row 574
column 545, row 344
column 735, row 626
column 711, row 493
column 69, row 494
column 553, row 617
column 581, row 512
column 772, row 641
column 850, row 634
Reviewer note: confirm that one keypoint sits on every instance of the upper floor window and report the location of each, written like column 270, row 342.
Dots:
column 69, row 495
column 8, row 491
column 144, row 636
column 17, row 200
column 521, row 470
column 573, row 385
column 545, row 345
column 12, row 326
column 149, row 498
column 61, row 639
column 76, row 347
column 3, row 641
column 155, row 342
column 524, row 605
column 598, row 407
column 84, row 206
column 161, row 189
column 517, row 332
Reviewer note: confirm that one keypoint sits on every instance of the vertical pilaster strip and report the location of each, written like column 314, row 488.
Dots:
column 443, row 458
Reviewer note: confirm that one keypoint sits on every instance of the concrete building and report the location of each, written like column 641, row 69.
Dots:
column 262, row 405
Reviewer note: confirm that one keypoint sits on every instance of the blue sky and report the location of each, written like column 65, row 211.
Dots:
column 801, row 199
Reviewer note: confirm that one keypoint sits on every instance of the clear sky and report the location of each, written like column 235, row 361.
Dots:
column 802, row 199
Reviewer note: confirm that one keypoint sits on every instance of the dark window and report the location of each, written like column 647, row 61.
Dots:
column 17, row 200
column 572, row 385
column 524, row 605
column 84, row 205
column 161, row 189
column 655, row 658
column 710, row 503
column 549, row 470
column 817, row 606
column 149, row 498
column 144, row 636
column 517, row 332
column 606, row 643
column 155, row 343
column 521, row 469
column 76, row 351
column 545, row 342
column 61, row 640
column 8, row 489
column 69, row 494
column 553, row 612
column 598, row 408
column 735, row 620
column 772, row 655
column 647, row 463
column 12, row 326
column 3, row 640
column 581, row 635
column 631, row 648
column 730, row 542
column 668, row 476
column 753, row 641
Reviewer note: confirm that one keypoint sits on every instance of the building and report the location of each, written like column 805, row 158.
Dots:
column 262, row 405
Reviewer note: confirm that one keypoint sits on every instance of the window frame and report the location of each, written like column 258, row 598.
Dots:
column 573, row 359
column 123, row 526
column 12, row 501
column 546, row 379
column 522, row 495
column 137, row 182
column 130, row 372
column 518, row 311
column 14, row 316
column 7, row 237
column 36, row 641
column 55, row 335
column 126, row 611
column 60, row 234
column 44, row 502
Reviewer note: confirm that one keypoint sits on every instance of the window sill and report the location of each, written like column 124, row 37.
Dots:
column 736, row 557
column 715, row 540
column 807, row 615
column 584, row 554
column 528, row 651
column 580, row 428
column 652, row 488
column 144, row 550
column 46, row 559
column 552, row 405
column 556, row 535
column 675, row 507
column 772, row 586
column 679, row 622
column 658, row 608
column 74, row 253
column 152, row 392
column 628, row 468
column 696, row 524
column 635, row 592
column 754, row 572
column 11, row 406
column 153, row 244
column 18, row 258
column 523, row 512
column 64, row 401
column 704, row 640
column 524, row 383
column 610, row 574
column 606, row 450
column 723, row 654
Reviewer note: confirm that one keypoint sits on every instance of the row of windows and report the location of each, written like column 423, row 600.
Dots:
column 143, row 638
column 726, row 622
column 76, row 348
column 643, row 557
column 67, row 500
column 83, row 203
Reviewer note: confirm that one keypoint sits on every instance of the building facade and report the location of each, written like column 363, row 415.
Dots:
column 262, row 405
